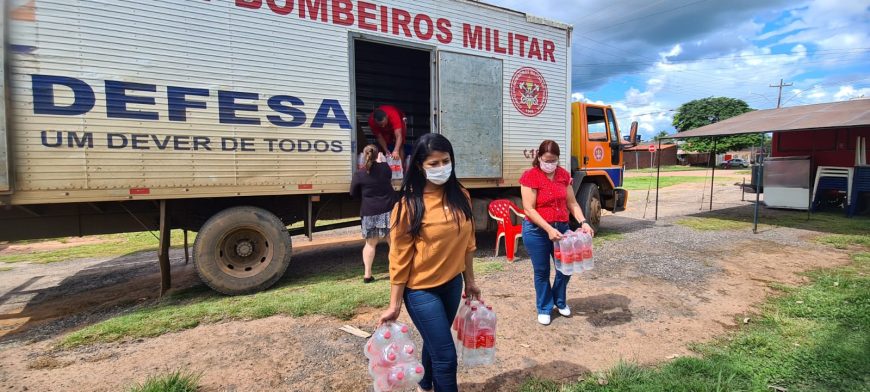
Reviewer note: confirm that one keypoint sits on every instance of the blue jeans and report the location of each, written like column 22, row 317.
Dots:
column 540, row 250
column 432, row 311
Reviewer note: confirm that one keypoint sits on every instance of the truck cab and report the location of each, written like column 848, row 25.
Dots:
column 597, row 159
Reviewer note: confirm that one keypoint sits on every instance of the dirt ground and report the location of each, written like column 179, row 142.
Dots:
column 654, row 291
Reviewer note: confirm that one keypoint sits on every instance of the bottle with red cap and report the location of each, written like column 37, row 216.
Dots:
column 459, row 322
column 392, row 362
column 478, row 336
column 567, row 251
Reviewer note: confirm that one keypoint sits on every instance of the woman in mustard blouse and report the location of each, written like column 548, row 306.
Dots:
column 432, row 247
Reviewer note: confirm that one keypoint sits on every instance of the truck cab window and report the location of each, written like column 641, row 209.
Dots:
column 614, row 130
column 597, row 124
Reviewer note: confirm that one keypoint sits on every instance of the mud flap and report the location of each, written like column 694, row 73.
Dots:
column 620, row 199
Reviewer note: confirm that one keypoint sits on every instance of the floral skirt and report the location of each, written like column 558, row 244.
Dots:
column 376, row 226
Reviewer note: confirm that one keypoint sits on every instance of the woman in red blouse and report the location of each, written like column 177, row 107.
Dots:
column 548, row 198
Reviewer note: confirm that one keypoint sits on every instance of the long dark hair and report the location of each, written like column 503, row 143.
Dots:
column 415, row 181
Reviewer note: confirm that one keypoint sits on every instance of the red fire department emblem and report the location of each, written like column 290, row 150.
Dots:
column 529, row 91
column 598, row 153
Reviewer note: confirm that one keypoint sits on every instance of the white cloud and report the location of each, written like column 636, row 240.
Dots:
column 731, row 49
column 849, row 92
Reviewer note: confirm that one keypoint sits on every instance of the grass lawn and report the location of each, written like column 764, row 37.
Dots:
column 108, row 245
column 841, row 229
column 811, row 338
column 605, row 235
column 643, row 183
column 666, row 169
column 338, row 293
column 173, row 382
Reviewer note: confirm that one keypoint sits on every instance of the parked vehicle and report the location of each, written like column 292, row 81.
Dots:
column 736, row 162
column 238, row 118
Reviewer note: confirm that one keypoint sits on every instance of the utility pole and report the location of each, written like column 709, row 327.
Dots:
column 780, row 86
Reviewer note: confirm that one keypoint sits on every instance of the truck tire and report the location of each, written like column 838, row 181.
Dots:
column 242, row 250
column 590, row 202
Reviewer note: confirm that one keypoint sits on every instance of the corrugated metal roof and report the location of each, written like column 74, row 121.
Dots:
column 796, row 118
column 644, row 146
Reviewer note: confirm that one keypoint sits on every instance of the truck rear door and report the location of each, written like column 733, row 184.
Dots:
column 470, row 112
column 4, row 141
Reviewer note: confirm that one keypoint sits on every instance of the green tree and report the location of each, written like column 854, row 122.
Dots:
column 700, row 112
column 660, row 135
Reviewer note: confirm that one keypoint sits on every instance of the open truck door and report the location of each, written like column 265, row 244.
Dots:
column 5, row 175
column 470, row 112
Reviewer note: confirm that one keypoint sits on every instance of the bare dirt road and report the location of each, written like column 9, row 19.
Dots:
column 655, row 290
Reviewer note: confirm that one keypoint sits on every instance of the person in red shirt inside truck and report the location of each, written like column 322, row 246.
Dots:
column 388, row 124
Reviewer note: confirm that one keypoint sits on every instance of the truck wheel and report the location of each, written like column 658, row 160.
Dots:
column 242, row 250
column 590, row 202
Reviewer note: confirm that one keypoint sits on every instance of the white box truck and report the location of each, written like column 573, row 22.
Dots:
column 237, row 118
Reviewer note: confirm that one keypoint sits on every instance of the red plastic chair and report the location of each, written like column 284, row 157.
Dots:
column 500, row 210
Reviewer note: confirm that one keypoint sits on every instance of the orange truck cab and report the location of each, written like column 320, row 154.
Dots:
column 596, row 159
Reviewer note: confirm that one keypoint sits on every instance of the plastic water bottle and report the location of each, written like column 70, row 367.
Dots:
column 487, row 332
column 478, row 344
column 395, row 168
column 588, row 257
column 576, row 253
column 392, row 362
column 460, row 321
column 459, row 312
column 557, row 254
column 412, row 375
column 567, row 251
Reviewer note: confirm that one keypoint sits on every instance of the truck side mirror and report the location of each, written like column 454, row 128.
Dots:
column 632, row 138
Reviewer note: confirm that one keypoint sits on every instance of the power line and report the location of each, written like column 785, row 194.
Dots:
column 780, row 86
column 828, row 52
column 612, row 25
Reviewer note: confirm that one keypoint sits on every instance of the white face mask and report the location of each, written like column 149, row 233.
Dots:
column 549, row 167
column 439, row 175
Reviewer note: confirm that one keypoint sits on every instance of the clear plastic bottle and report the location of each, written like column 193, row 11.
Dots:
column 487, row 333
column 392, row 362
column 468, row 337
column 576, row 254
column 588, row 257
column 567, row 254
column 557, row 255
column 462, row 307
column 478, row 346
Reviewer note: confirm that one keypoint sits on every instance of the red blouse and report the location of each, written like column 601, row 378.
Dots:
column 552, row 201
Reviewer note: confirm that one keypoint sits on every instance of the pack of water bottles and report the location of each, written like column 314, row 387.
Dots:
column 573, row 253
column 474, row 333
column 392, row 358
column 395, row 168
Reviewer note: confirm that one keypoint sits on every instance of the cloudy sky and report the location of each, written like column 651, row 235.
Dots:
column 648, row 57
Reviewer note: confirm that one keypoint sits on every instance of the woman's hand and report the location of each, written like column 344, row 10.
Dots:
column 586, row 228
column 471, row 290
column 554, row 234
column 389, row 315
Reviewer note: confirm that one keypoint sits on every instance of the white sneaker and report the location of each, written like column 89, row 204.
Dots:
column 544, row 319
column 565, row 312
